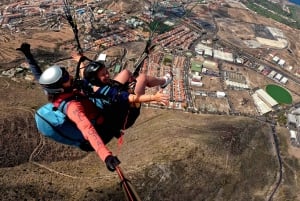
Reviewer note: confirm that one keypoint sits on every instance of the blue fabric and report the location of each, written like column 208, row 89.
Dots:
column 114, row 102
column 56, row 125
column 34, row 67
column 114, row 94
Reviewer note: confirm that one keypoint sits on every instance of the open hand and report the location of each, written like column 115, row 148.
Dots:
column 162, row 98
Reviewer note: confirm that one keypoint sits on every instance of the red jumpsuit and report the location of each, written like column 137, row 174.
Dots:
column 82, row 111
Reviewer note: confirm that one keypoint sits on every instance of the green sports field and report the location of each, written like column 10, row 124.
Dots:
column 280, row 94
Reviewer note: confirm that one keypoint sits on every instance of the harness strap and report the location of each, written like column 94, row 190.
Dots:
column 63, row 104
column 105, row 89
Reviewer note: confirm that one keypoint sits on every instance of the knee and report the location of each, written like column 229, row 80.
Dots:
column 142, row 77
column 126, row 73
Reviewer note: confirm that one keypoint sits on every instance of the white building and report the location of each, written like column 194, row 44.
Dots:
column 196, row 84
column 276, row 59
column 226, row 56
column 239, row 60
column 220, row 94
column 296, row 111
column 196, row 77
column 208, row 52
column 200, row 52
column 293, row 135
column 264, row 96
column 281, row 62
column 201, row 49
column 284, row 80
column 101, row 57
column 278, row 76
column 236, row 84
column 261, row 68
column 272, row 74
column 261, row 106
column 291, row 119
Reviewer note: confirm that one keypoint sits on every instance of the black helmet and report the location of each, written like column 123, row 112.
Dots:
column 90, row 72
column 53, row 78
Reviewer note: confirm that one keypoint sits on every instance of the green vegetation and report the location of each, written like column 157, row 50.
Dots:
column 279, row 94
column 275, row 11
column 159, row 27
column 281, row 118
column 295, row 12
column 196, row 66
column 168, row 60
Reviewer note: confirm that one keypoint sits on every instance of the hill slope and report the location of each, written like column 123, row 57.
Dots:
column 167, row 155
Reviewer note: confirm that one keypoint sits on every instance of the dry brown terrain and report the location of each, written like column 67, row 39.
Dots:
column 167, row 155
column 240, row 27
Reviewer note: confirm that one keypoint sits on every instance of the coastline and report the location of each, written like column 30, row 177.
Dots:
column 287, row 2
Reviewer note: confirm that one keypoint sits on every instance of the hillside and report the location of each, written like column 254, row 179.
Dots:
column 167, row 155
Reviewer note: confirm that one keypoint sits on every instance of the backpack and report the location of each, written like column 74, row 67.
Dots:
column 53, row 123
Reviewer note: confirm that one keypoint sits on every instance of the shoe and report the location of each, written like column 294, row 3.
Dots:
column 168, row 77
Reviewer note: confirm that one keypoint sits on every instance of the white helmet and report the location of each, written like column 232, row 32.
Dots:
column 53, row 78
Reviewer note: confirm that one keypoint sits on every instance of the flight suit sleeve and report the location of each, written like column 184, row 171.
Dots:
column 75, row 112
column 34, row 67
column 113, row 94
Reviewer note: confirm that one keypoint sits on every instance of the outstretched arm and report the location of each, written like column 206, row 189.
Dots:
column 158, row 97
column 75, row 112
column 33, row 65
column 76, row 57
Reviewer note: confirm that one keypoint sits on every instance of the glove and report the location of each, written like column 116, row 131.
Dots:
column 25, row 48
column 111, row 162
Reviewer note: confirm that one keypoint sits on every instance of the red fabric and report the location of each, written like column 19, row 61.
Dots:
column 62, row 97
column 120, row 142
column 81, row 111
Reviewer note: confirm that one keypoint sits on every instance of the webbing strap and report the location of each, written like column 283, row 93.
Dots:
column 104, row 90
column 63, row 104
column 120, row 142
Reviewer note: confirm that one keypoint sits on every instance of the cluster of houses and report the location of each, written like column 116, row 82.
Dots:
column 293, row 123
column 272, row 74
column 208, row 51
column 181, row 37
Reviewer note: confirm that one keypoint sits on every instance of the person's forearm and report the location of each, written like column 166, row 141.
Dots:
column 140, row 99
column 81, row 68
column 76, row 115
